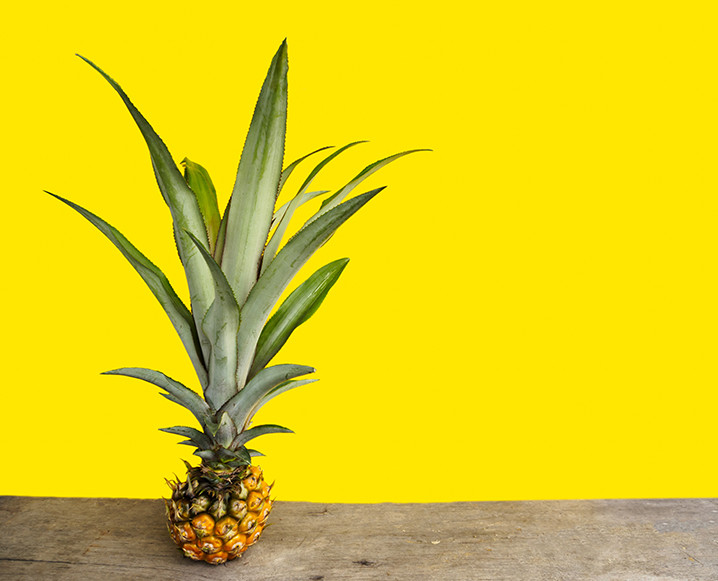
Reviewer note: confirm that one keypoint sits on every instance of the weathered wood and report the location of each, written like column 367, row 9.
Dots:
column 62, row 539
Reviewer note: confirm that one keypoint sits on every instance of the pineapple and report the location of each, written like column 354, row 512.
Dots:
column 236, row 273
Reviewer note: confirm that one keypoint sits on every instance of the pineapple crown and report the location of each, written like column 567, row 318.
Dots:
column 236, row 273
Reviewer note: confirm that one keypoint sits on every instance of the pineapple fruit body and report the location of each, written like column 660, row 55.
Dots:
column 216, row 515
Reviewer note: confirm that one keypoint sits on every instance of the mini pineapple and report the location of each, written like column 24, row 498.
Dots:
column 236, row 273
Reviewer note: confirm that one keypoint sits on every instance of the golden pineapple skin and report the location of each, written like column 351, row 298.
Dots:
column 215, row 516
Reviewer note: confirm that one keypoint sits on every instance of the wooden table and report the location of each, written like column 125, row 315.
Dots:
column 59, row 539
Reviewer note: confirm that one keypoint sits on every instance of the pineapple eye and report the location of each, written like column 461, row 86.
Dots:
column 218, row 509
column 255, row 535
column 217, row 558
column 236, row 544
column 182, row 509
column 190, row 550
column 226, row 527
column 203, row 525
column 264, row 514
column 254, row 501
column 210, row 545
column 250, row 482
column 248, row 523
column 185, row 532
column 199, row 505
column 237, row 508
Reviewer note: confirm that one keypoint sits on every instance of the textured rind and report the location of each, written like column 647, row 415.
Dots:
column 215, row 517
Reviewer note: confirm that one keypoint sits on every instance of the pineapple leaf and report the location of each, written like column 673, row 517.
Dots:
column 160, row 286
column 176, row 392
column 273, row 245
column 287, row 171
column 195, row 436
column 222, row 234
column 254, row 453
column 279, row 212
column 226, row 431
column 280, row 272
column 208, row 455
column 280, row 389
column 241, row 405
column 337, row 198
column 220, row 326
column 200, row 183
column 249, row 213
column 324, row 162
column 240, row 457
column 285, row 386
column 295, row 310
column 230, row 458
column 247, row 435
column 183, row 205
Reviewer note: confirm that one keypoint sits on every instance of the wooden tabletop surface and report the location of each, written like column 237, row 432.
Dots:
column 60, row 539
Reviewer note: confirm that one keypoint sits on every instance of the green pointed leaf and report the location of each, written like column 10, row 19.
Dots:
column 276, row 239
column 280, row 272
column 282, row 210
column 226, row 431
column 280, row 389
column 254, row 453
column 158, row 283
column 257, row 431
column 183, row 205
column 178, row 401
column 208, row 455
column 240, row 406
column 176, row 392
column 195, row 436
column 287, row 171
column 220, row 326
column 249, row 213
column 284, row 387
column 295, row 310
column 240, row 457
column 339, row 197
column 200, row 183
column 222, row 234
column 231, row 458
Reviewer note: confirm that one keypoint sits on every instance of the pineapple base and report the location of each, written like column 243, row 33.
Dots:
column 216, row 515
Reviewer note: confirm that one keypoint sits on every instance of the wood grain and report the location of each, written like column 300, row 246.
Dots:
column 61, row 539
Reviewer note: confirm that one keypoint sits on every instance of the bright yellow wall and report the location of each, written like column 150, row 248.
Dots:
column 530, row 310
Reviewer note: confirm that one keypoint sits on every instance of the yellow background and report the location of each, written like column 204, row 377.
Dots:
column 529, row 311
